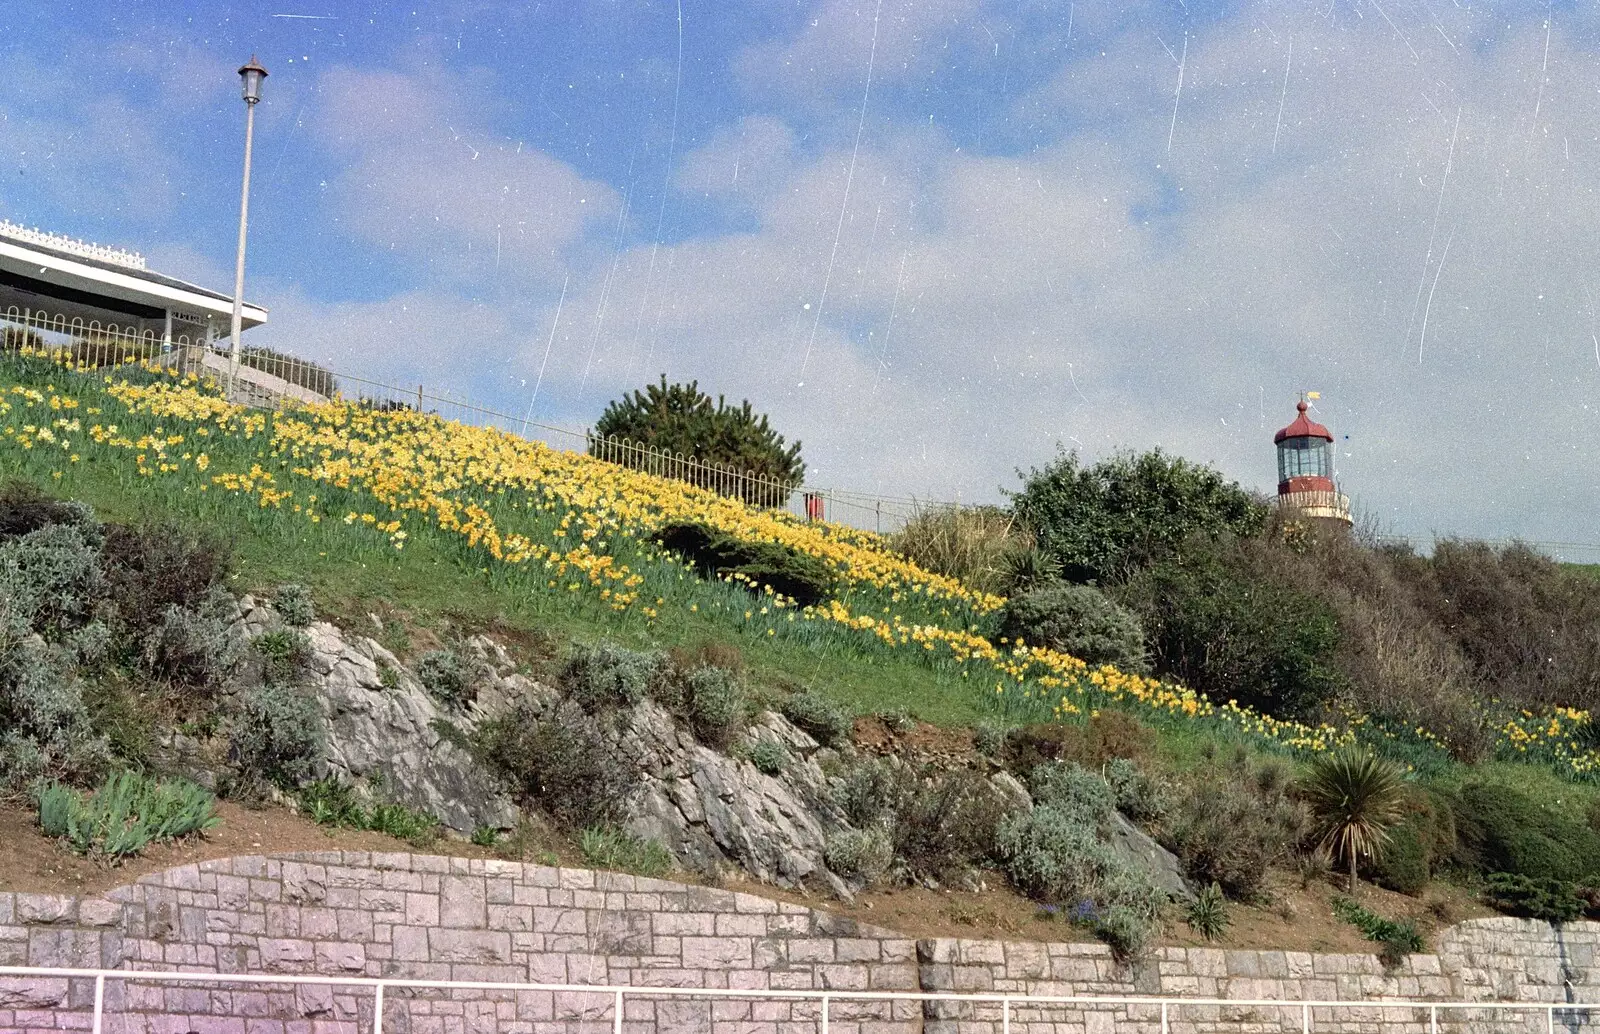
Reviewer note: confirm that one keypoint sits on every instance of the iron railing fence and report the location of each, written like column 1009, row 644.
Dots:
column 379, row 1003
column 266, row 378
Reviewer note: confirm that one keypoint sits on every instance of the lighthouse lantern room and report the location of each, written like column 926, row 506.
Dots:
column 1305, row 471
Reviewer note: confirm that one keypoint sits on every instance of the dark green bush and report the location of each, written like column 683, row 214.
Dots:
column 1105, row 521
column 681, row 419
column 150, row 567
column 799, row 576
column 1078, row 620
column 1418, row 845
column 826, row 721
column 24, row 508
column 278, row 735
column 1501, row 829
column 605, row 676
column 561, row 762
column 1222, row 618
column 1533, row 897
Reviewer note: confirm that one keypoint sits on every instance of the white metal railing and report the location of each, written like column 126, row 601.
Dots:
column 619, row 993
column 71, row 245
column 269, row 378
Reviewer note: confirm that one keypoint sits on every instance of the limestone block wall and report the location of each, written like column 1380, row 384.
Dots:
column 401, row 915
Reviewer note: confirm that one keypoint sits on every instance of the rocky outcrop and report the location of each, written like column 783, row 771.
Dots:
column 386, row 735
column 708, row 807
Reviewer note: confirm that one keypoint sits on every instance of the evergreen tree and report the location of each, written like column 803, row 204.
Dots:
column 681, row 419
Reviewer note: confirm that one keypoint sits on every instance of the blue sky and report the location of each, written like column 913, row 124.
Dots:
column 934, row 238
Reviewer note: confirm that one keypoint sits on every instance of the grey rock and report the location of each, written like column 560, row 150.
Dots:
column 1136, row 845
column 392, row 742
column 708, row 808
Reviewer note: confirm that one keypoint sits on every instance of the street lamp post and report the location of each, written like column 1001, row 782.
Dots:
column 252, row 74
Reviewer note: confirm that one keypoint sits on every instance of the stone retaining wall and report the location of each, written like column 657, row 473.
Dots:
column 426, row 917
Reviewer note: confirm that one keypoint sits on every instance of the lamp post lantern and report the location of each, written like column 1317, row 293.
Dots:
column 251, row 74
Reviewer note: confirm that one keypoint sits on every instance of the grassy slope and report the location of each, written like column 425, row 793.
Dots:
column 434, row 589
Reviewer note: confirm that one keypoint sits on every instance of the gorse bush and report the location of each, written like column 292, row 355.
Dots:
column 1105, row 521
column 293, row 603
column 825, row 721
column 125, row 815
column 607, row 676
column 1078, row 620
column 681, row 419
column 278, row 735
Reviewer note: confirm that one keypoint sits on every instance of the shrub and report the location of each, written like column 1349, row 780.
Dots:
column 989, row 738
column 1077, row 620
column 941, row 823
column 1533, row 897
column 194, row 646
column 1056, row 852
column 293, row 603
column 1207, row 914
column 1355, row 796
column 897, row 719
column 1103, row 522
column 1398, row 938
column 278, row 735
column 1423, row 840
column 606, row 676
column 610, row 847
column 716, row 705
column 451, row 676
column 769, row 756
column 44, row 724
column 51, row 577
column 126, row 814
column 827, row 722
column 680, row 419
column 1223, row 619
column 860, row 854
column 967, row 543
column 803, row 578
column 1025, row 568
column 563, row 763
column 1105, row 736
column 1501, row 829
column 24, row 508
column 1231, row 822
column 1141, row 798
column 285, row 655
column 151, row 567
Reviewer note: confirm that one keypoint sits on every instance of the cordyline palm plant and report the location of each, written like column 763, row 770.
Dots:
column 1355, row 797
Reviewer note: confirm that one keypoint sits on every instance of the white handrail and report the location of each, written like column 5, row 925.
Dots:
column 618, row 993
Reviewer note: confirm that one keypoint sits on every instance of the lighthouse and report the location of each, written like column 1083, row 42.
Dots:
column 1305, row 471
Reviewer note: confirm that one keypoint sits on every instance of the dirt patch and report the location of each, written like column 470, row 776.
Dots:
column 920, row 742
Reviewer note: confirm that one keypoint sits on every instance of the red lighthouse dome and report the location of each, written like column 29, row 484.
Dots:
column 1305, row 470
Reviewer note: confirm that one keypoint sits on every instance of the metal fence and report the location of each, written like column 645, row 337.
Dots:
column 376, row 1004
column 267, row 378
